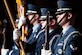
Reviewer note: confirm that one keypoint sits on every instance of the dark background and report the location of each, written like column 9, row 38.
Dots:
column 40, row 3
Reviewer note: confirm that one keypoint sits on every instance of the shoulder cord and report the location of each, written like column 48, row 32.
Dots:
column 38, row 34
column 51, row 41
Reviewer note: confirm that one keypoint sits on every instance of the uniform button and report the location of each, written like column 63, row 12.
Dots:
column 56, row 54
column 60, row 51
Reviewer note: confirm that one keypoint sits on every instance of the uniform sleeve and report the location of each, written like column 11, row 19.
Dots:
column 74, row 46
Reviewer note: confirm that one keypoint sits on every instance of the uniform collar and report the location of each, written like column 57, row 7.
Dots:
column 51, row 30
column 64, row 30
column 35, row 27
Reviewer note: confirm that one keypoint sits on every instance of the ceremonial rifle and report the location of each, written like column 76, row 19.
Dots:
column 46, row 44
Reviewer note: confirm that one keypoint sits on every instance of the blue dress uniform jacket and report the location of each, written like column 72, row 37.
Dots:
column 33, row 35
column 15, row 50
column 41, row 40
column 31, row 44
column 72, row 44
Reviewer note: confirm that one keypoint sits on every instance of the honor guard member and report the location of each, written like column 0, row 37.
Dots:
column 69, row 41
column 15, row 48
column 33, row 14
column 53, row 30
column 16, row 38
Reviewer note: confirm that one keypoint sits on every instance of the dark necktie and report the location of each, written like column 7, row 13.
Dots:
column 61, row 34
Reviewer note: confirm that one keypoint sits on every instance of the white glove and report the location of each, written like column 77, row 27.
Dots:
column 22, row 21
column 16, row 34
column 4, row 51
column 25, row 39
column 46, row 52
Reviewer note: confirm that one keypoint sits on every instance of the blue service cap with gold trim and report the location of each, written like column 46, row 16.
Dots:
column 32, row 9
column 63, row 6
column 44, row 12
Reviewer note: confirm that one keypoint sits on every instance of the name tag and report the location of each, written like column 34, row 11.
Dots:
column 60, row 44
